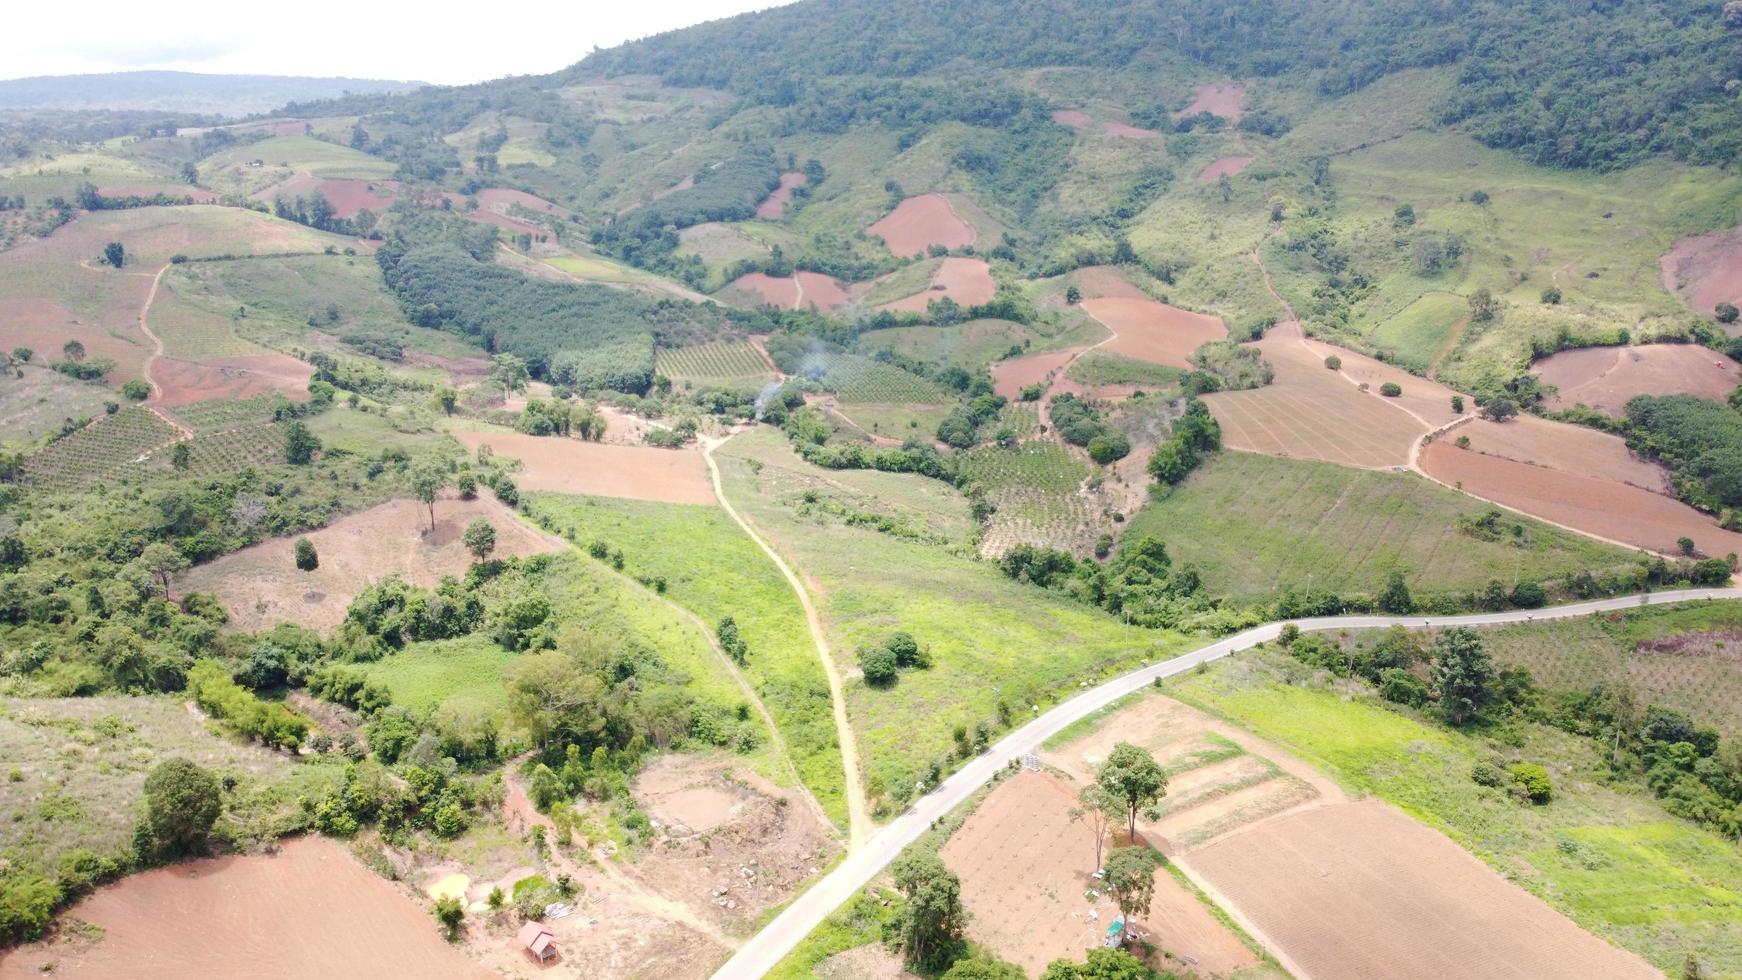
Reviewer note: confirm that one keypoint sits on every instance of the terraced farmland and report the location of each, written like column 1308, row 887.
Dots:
column 100, row 451
column 722, row 364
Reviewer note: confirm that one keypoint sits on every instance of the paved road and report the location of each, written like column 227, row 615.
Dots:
column 759, row 955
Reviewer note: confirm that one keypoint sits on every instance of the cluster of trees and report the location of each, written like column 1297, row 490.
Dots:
column 961, row 428
column 1080, row 423
column 1140, row 585
column 1195, row 434
column 1223, row 365
column 882, row 662
column 270, row 722
column 560, row 418
column 317, row 212
column 88, row 198
column 1699, row 440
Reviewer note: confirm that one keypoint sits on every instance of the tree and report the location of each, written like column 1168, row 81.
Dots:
column 181, row 456
column 1095, row 808
column 427, row 483
column 1396, row 599
column 450, row 912
column 306, row 558
column 74, row 351
column 300, row 445
column 1101, row 964
column 1131, row 876
column 137, row 389
column 878, row 664
column 182, row 801
column 1499, row 409
column 447, row 398
column 162, row 561
column 1551, row 296
column 114, row 254
column 931, row 924
column 1073, row 295
column 509, row 371
column 480, row 538
column 1482, row 305
column 1391, row 389
column 1463, row 674
column 1334, row 362
column 1133, row 779
column 1458, row 404
column 1726, row 313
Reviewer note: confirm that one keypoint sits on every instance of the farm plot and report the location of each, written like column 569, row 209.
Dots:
column 103, row 451
column 214, row 416
column 261, row 585
column 676, row 476
column 797, row 291
column 918, row 223
column 183, row 382
column 774, row 207
column 972, row 346
column 1012, row 375
column 35, row 404
column 1559, row 446
column 860, row 379
column 1312, row 412
column 1224, row 167
column 1254, row 526
column 1039, row 908
column 348, row 197
column 725, row 364
column 1604, row 378
column 966, row 281
column 1221, row 99
column 230, row 451
column 1705, row 270
column 1037, row 487
column 1152, row 331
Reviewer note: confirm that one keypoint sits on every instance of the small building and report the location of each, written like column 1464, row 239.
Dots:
column 1115, row 937
column 539, row 941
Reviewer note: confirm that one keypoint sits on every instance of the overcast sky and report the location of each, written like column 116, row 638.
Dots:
column 354, row 38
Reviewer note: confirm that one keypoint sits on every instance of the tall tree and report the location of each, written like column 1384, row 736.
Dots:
column 932, row 922
column 427, row 483
column 300, row 445
column 1131, row 876
column 1134, row 779
column 163, row 562
column 480, row 538
column 182, row 801
column 115, row 254
column 1095, row 808
column 1463, row 674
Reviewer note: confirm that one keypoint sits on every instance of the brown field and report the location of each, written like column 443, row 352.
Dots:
column 1010, row 376
column 677, row 476
column 1153, row 331
column 184, row 382
column 1128, row 131
column 801, row 289
column 1597, row 506
column 918, row 223
column 1705, row 270
column 1358, row 890
column 1225, row 167
column 1034, row 909
column 346, row 196
column 967, row 281
column 310, row 910
column 261, row 585
column 199, row 194
column 1605, row 377
column 1074, row 118
column 1219, row 100
column 1564, row 447
column 1311, row 412
column 774, row 207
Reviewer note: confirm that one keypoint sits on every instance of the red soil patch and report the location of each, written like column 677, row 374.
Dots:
column 1605, row 377
column 1073, row 118
column 1591, row 504
column 1560, row 446
column 773, row 208
column 967, row 281
column 261, row 585
column 1218, row 100
column 1312, row 412
column 1009, row 377
column 1358, row 890
column 1031, row 911
column 308, row 911
column 812, row 289
column 1128, row 131
column 184, row 382
column 199, row 194
column 1153, row 331
column 346, row 196
column 918, row 223
column 1225, row 167
column 677, row 476
column 1705, row 270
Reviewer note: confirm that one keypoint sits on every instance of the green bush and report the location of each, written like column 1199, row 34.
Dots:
column 1531, row 781
column 878, row 665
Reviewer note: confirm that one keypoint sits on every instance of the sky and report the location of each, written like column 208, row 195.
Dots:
column 378, row 40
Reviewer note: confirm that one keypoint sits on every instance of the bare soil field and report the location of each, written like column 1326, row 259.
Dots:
column 1153, row 331
column 1596, row 506
column 346, row 196
column 1010, row 376
column 774, row 208
column 261, row 586
column 1219, row 100
column 967, row 281
column 918, row 223
column 1705, row 270
column 1358, row 890
column 1560, row 446
column 184, row 382
column 1128, row 131
column 1312, row 412
column 1225, row 167
column 677, row 476
column 1604, row 378
column 1045, row 905
column 199, row 194
column 801, row 289
column 310, row 910
column 1074, row 118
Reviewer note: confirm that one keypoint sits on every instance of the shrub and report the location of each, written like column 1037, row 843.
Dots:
column 1528, row 595
column 182, row 801
column 27, row 904
column 450, row 913
column 1458, row 404
column 1551, row 296
column 1399, row 686
column 1486, row 773
column 878, row 665
column 307, row 560
column 136, row 390
column 1391, row 389
column 1334, row 362
column 1531, row 781
column 1726, row 313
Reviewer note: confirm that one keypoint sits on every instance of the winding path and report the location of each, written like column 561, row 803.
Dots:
column 858, row 813
column 184, row 433
column 767, row 948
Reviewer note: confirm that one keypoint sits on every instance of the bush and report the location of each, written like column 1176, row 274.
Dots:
column 1551, row 296
column 27, row 904
column 1391, row 389
column 1399, row 686
column 1528, row 595
column 1531, row 781
column 136, row 390
column 307, row 560
column 1334, row 362
column 182, row 801
column 1726, row 313
column 879, row 665
column 1486, row 773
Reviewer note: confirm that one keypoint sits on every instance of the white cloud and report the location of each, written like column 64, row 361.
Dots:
column 445, row 44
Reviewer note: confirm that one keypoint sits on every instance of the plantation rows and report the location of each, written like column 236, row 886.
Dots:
column 99, row 451
column 221, row 453
column 1045, row 466
column 713, row 363
column 1036, row 488
column 218, row 414
column 856, row 379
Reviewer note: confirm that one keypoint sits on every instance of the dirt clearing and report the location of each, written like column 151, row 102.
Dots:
column 261, row 585
column 1153, row 331
column 308, row 911
column 801, row 289
column 967, row 281
column 1225, row 167
column 1217, row 100
column 918, row 223
column 1128, row 131
column 1604, row 378
column 1564, row 447
column 676, row 476
column 1010, row 376
column 1705, row 270
column 774, row 207
column 185, row 382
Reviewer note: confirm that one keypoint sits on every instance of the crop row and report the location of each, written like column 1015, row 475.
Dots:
column 718, row 361
column 857, row 379
column 222, row 413
column 100, row 450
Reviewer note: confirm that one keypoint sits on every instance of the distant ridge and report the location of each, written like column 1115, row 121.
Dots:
column 181, row 91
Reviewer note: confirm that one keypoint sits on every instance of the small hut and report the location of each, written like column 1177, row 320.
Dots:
column 539, row 941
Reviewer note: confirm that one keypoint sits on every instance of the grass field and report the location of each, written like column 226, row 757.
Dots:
column 33, row 407
column 711, row 568
column 1255, row 526
column 1605, row 855
column 1419, row 332
column 1104, row 368
column 991, row 639
column 425, row 676
column 318, row 157
column 1684, row 657
column 722, row 364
